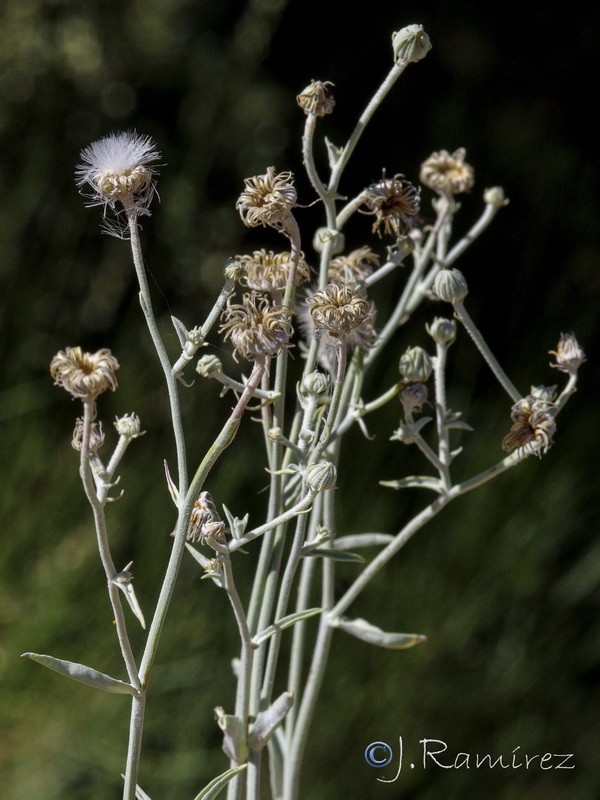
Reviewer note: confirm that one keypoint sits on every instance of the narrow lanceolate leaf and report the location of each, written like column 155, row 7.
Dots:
column 415, row 481
column 83, row 674
column 284, row 622
column 140, row 794
column 370, row 633
column 180, row 329
column 357, row 540
column 334, row 554
column 213, row 789
column 267, row 721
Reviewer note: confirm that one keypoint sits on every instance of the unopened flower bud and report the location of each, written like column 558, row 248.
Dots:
column 450, row 285
column 410, row 44
column 323, row 235
column 321, row 476
column 569, row 354
column 235, row 270
column 128, row 426
column 316, row 383
column 547, row 393
column 415, row 365
column 209, row 366
column 274, row 434
column 495, row 197
column 442, row 331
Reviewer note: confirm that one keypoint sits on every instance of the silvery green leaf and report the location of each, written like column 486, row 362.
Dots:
column 284, row 622
column 214, row 788
column 333, row 152
column 415, row 482
column 334, row 554
column 235, row 745
column 236, row 526
column 355, row 540
column 370, row 633
column 129, row 592
column 83, row 674
column 459, row 424
column 140, row 794
column 267, row 721
column 180, row 330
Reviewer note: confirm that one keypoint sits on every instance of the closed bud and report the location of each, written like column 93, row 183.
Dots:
column 415, row 365
column 410, row 44
column 495, row 197
column 128, row 426
column 450, row 285
column 442, row 331
column 323, row 235
column 569, row 354
column 235, row 270
column 321, row 476
column 316, row 383
column 209, row 366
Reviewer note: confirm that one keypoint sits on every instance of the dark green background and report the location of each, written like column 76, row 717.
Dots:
column 504, row 583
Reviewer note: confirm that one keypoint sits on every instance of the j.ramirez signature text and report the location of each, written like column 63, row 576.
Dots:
column 434, row 753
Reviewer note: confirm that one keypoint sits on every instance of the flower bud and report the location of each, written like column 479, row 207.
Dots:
column 323, row 235
column 128, row 426
column 450, row 285
column 316, row 383
column 547, row 393
column 495, row 197
column 410, row 44
column 321, row 476
column 209, row 366
column 442, row 331
column 415, row 365
column 234, row 269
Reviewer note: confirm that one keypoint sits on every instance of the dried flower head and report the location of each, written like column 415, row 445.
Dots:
column 205, row 522
column 447, row 174
column 353, row 268
column 256, row 327
column 117, row 170
column 267, row 199
column 266, row 271
column 339, row 308
column 84, row 375
column 533, row 422
column 96, row 436
column 316, row 99
column 394, row 202
column 569, row 354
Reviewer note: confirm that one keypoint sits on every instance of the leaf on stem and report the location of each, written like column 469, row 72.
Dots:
column 270, row 719
column 235, row 745
column 140, row 794
column 363, row 630
column 415, row 482
column 213, row 788
column 180, row 330
column 355, row 540
column 284, row 622
column 333, row 553
column 83, row 674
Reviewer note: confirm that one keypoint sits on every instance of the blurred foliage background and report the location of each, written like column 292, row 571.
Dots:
column 504, row 583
